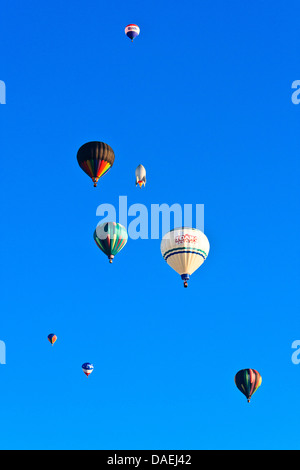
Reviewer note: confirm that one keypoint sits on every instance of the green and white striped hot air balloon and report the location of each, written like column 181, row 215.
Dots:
column 185, row 249
column 110, row 237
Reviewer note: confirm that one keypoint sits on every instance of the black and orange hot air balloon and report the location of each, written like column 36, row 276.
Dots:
column 52, row 338
column 248, row 381
column 95, row 159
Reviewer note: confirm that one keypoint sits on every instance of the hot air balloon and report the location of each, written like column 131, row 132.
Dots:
column 185, row 250
column 110, row 237
column 248, row 381
column 52, row 338
column 132, row 31
column 95, row 159
column 140, row 176
column 87, row 368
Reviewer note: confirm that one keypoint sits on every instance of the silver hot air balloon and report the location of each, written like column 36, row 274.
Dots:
column 140, row 176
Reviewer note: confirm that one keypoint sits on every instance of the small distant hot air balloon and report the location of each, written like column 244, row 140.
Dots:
column 110, row 237
column 87, row 368
column 132, row 31
column 52, row 338
column 248, row 381
column 95, row 159
column 185, row 250
column 140, row 176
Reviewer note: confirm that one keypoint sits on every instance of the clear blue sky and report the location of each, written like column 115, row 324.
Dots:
column 203, row 99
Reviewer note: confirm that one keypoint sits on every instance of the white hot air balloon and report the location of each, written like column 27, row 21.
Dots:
column 140, row 176
column 185, row 250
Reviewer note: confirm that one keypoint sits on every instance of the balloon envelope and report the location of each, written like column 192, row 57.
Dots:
column 185, row 249
column 110, row 237
column 95, row 159
column 248, row 381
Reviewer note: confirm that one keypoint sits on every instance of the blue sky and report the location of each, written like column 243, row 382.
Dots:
column 203, row 100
